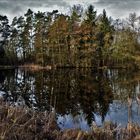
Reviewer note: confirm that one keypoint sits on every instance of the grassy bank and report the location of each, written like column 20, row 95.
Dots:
column 23, row 123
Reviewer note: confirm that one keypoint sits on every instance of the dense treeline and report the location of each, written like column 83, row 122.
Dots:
column 81, row 39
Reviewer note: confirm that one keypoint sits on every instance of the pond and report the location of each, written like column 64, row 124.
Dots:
column 79, row 97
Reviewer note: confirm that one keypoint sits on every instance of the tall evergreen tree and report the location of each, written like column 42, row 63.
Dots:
column 4, row 34
column 104, row 39
column 87, row 41
column 28, row 35
column 21, row 44
column 38, row 40
column 74, row 30
column 13, row 48
column 58, row 37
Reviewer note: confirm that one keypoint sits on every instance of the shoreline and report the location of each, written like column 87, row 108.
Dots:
column 49, row 67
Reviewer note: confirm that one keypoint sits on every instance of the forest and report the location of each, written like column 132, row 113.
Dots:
column 82, row 38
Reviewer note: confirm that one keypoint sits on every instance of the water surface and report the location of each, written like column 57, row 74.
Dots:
column 80, row 97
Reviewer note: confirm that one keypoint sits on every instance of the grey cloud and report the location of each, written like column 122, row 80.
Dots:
column 112, row 1
column 115, row 8
column 33, row 2
column 18, row 7
column 119, row 8
column 16, row 4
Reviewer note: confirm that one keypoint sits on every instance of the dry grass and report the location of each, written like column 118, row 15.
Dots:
column 18, row 123
column 21, row 123
column 34, row 67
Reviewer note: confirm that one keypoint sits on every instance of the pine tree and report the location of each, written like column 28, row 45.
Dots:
column 28, row 35
column 104, row 39
column 74, row 30
column 12, row 50
column 87, row 41
column 4, row 34
column 21, row 44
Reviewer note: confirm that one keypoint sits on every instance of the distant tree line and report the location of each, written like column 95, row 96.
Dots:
column 80, row 39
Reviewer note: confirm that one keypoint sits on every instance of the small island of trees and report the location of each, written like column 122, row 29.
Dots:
column 81, row 39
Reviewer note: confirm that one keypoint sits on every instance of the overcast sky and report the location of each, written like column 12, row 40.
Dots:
column 114, row 8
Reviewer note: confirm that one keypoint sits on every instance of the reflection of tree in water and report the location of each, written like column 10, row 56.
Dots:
column 80, row 90
column 17, row 86
column 124, row 83
column 76, row 91
column 97, row 95
column 68, row 91
column 2, row 76
column 105, row 95
column 41, row 89
column 6, row 82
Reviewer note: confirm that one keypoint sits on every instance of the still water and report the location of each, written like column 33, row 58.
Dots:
column 80, row 97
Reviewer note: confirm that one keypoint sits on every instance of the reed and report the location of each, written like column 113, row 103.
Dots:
column 22, row 123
